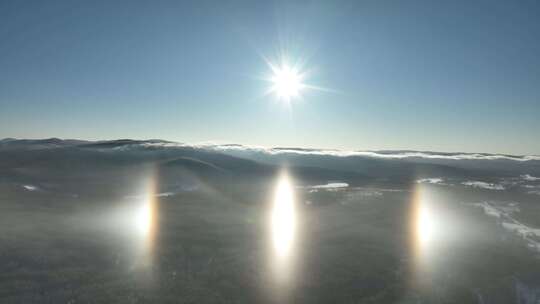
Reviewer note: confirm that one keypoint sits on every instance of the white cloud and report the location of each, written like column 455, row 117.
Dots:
column 141, row 196
column 328, row 187
column 504, row 214
column 432, row 180
column 530, row 178
column 483, row 185
column 164, row 194
column 30, row 187
column 489, row 210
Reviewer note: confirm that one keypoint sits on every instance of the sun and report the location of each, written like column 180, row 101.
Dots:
column 286, row 82
column 287, row 79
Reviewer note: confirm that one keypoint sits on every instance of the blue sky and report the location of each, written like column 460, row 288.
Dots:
column 423, row 75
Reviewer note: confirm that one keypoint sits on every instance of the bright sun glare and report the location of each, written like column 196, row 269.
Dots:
column 425, row 224
column 283, row 217
column 143, row 218
column 287, row 82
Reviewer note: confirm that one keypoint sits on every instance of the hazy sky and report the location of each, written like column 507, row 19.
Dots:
column 424, row 75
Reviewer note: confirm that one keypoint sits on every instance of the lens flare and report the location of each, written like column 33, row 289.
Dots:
column 144, row 218
column 283, row 219
column 427, row 235
column 423, row 219
column 424, row 224
column 145, row 226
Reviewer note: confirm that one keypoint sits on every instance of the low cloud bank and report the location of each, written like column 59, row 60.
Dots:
column 126, row 144
column 374, row 154
column 341, row 153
